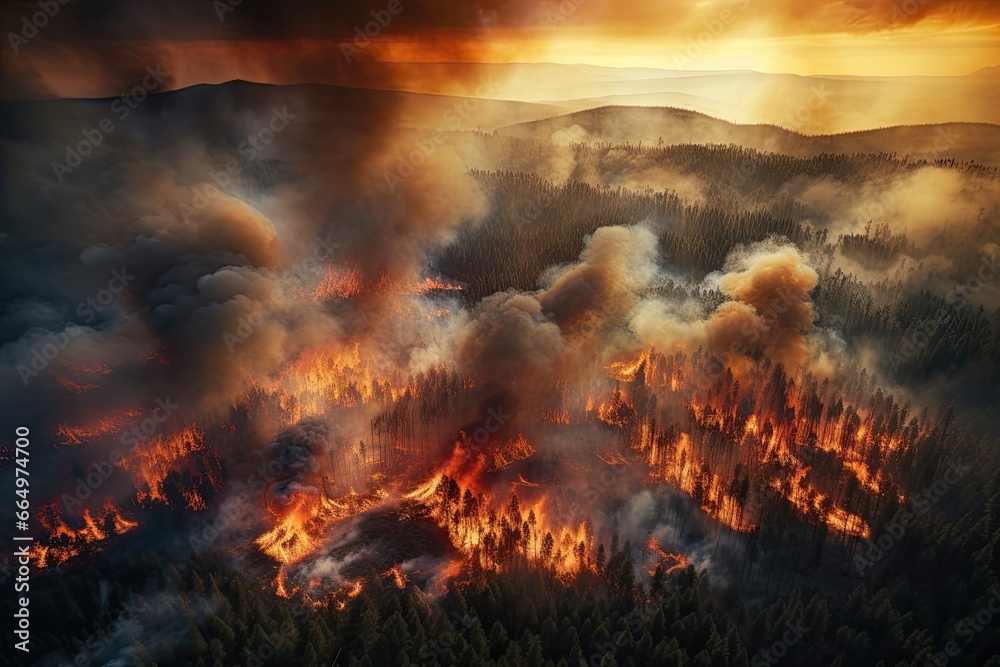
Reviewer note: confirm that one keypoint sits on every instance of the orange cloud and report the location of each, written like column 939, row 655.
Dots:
column 77, row 53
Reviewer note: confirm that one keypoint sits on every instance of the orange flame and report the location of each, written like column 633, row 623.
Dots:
column 348, row 284
column 64, row 542
column 152, row 462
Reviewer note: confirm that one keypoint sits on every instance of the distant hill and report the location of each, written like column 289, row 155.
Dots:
column 850, row 102
column 650, row 125
column 324, row 103
column 327, row 104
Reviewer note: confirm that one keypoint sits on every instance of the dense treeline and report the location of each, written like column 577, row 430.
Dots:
column 878, row 247
column 206, row 614
column 547, row 225
column 920, row 330
column 732, row 176
column 740, row 448
column 922, row 333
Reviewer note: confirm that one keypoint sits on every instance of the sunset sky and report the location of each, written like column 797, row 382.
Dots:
column 91, row 48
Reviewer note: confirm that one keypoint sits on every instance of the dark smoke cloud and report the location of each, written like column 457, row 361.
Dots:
column 104, row 47
column 222, row 273
column 299, row 449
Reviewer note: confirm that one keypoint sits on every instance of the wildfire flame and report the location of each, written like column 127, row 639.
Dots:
column 669, row 562
column 152, row 462
column 69, row 434
column 770, row 436
column 349, row 284
column 64, row 542
column 305, row 518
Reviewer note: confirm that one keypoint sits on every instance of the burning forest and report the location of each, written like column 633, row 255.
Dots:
column 387, row 352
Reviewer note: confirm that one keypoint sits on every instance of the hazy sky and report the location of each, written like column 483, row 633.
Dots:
column 97, row 47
